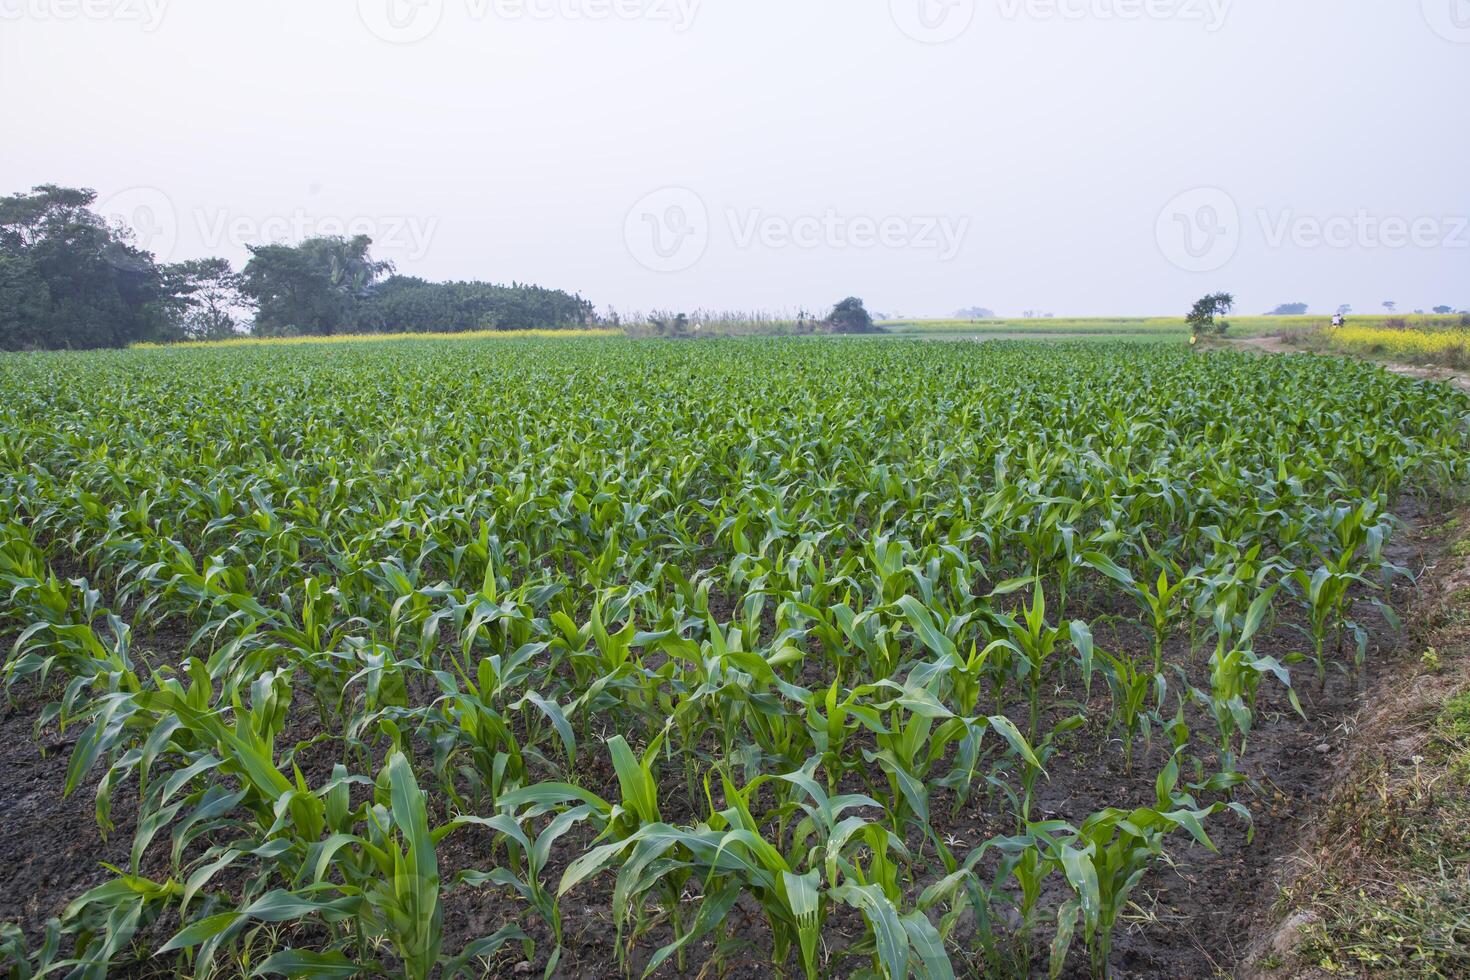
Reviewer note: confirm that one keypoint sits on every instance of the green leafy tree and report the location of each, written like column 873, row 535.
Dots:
column 316, row 287
column 210, row 305
column 1203, row 320
column 850, row 316
column 24, row 302
column 68, row 280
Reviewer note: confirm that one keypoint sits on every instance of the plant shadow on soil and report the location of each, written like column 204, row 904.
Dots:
column 1195, row 919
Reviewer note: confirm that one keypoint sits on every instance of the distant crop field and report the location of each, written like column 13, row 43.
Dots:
column 595, row 657
column 1444, row 343
column 370, row 338
column 1136, row 328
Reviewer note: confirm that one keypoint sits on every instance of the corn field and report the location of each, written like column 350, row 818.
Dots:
column 750, row 643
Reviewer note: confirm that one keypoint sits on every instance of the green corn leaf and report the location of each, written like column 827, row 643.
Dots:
column 888, row 930
column 933, row 962
column 921, row 621
column 294, row 963
column 640, row 792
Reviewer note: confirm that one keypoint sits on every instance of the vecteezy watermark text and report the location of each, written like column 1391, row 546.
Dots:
column 1210, row 13
column 156, row 225
column 940, row 21
column 1201, row 230
column 671, row 229
column 402, row 236
column 942, row 234
column 409, row 21
column 1363, row 229
column 146, row 13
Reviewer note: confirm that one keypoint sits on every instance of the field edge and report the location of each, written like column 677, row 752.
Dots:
column 1379, row 885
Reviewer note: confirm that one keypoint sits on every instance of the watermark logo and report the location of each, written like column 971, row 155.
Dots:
column 668, row 230
column 1364, row 230
column 156, row 225
column 395, row 236
column 401, row 21
column 411, row 21
column 933, row 21
column 146, row 13
column 671, row 229
column 1210, row 13
column 679, row 14
column 1199, row 231
column 1202, row 229
column 1450, row 19
column 944, row 235
column 151, row 216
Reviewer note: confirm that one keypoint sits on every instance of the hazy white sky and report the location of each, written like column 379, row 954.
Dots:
column 1071, row 156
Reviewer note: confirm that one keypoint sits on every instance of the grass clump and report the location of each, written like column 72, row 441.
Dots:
column 1453, row 728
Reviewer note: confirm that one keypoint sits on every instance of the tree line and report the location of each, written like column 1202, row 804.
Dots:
column 1300, row 309
column 69, row 280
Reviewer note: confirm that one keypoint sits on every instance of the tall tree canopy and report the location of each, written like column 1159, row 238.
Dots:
column 311, row 288
column 68, row 280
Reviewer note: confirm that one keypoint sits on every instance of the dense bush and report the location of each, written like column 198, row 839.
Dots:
column 404, row 304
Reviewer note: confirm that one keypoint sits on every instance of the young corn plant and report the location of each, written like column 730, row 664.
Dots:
column 1034, row 641
column 1163, row 604
column 529, row 854
column 1107, row 857
column 1325, row 593
column 1130, row 687
column 1235, row 677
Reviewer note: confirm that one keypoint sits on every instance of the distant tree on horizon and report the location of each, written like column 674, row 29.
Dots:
column 1289, row 309
column 974, row 313
column 1202, row 319
column 850, row 316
